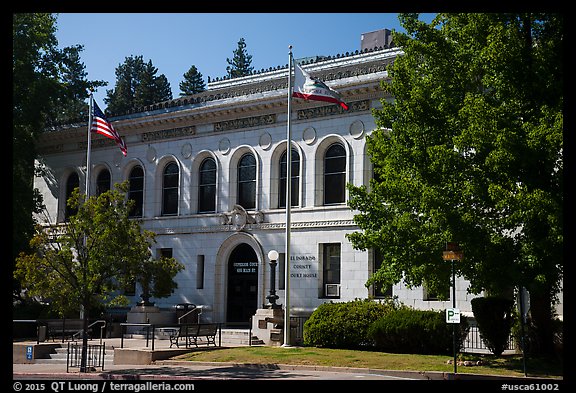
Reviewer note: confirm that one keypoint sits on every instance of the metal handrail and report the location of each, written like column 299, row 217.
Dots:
column 92, row 324
column 147, row 325
column 196, row 309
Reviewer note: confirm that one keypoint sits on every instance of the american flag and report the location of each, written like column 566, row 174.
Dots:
column 102, row 126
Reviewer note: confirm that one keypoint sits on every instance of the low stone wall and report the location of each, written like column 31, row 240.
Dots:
column 28, row 352
column 144, row 356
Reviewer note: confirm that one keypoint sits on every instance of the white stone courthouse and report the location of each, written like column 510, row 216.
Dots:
column 208, row 175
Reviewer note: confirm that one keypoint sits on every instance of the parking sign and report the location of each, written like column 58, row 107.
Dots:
column 452, row 315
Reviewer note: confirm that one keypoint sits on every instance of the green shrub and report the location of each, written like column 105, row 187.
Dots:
column 407, row 330
column 494, row 317
column 343, row 325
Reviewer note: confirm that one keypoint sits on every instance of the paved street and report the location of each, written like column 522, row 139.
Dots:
column 171, row 370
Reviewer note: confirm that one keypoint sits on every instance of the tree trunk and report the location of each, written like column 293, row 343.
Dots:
column 84, row 359
column 542, row 315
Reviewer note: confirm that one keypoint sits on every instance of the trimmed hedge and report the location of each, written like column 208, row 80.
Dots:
column 344, row 325
column 407, row 330
column 495, row 318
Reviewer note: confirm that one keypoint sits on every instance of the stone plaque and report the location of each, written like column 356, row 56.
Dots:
column 265, row 141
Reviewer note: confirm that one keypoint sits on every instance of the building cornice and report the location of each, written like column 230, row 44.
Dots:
column 355, row 77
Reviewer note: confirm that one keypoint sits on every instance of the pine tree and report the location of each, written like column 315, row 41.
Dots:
column 240, row 65
column 193, row 82
column 137, row 85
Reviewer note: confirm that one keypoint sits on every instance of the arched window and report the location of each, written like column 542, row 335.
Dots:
column 170, row 190
column 207, row 186
column 295, row 182
column 335, row 174
column 136, row 191
column 247, row 181
column 103, row 182
column 72, row 182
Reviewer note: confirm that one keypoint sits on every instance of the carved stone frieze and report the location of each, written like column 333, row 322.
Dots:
column 168, row 134
column 239, row 217
column 329, row 110
column 255, row 121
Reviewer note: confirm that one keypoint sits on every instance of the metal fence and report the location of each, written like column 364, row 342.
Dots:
column 94, row 356
column 297, row 333
column 475, row 343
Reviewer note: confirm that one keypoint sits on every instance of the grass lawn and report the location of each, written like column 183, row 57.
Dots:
column 510, row 365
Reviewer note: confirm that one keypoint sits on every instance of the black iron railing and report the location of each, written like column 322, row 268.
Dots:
column 94, row 356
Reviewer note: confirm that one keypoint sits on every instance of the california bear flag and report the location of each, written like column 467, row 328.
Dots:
column 309, row 88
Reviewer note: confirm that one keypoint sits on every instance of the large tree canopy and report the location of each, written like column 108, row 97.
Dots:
column 49, row 87
column 86, row 262
column 470, row 150
column 98, row 252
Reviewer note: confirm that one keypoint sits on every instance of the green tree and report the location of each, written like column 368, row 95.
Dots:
column 240, row 65
column 49, row 86
column 470, row 150
column 137, row 85
column 193, row 82
column 87, row 262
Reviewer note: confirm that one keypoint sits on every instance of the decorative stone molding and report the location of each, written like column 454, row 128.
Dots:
column 236, row 221
column 329, row 110
column 246, row 122
column 168, row 134
column 238, row 217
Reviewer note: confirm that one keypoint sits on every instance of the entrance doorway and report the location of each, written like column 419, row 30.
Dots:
column 242, row 299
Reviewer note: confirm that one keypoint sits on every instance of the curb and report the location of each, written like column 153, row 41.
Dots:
column 118, row 375
column 422, row 375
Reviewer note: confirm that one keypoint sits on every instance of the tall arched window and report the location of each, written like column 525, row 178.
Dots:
column 170, row 189
column 72, row 182
column 136, row 191
column 207, row 186
column 335, row 174
column 295, row 182
column 103, row 182
column 247, row 181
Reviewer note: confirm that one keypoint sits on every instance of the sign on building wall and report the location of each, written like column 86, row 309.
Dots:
column 303, row 266
column 245, row 267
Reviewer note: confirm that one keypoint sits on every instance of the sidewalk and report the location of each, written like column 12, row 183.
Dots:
column 168, row 369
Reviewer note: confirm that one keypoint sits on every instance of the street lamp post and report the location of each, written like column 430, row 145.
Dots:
column 272, row 297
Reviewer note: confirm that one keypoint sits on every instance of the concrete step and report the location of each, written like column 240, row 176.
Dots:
column 239, row 337
column 60, row 356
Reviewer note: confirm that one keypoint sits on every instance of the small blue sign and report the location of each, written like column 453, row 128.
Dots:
column 29, row 352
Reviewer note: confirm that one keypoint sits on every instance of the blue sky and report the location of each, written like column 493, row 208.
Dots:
column 176, row 41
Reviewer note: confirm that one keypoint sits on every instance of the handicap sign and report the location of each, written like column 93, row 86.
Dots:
column 29, row 352
column 452, row 315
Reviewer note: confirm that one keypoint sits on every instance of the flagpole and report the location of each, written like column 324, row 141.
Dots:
column 88, row 164
column 288, row 207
